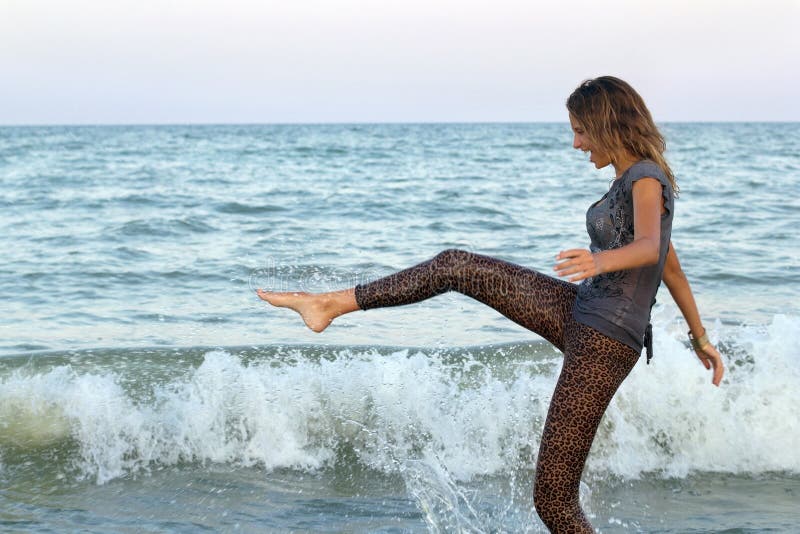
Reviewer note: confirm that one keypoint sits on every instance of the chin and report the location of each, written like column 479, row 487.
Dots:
column 602, row 164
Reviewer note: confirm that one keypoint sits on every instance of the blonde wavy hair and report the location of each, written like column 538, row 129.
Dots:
column 616, row 119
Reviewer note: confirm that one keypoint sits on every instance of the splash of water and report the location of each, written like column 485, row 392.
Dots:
column 477, row 417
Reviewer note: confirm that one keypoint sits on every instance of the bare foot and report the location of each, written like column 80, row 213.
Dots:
column 316, row 309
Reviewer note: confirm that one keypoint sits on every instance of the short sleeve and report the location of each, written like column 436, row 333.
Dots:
column 648, row 169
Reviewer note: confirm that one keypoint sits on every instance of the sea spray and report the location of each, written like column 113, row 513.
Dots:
column 445, row 504
column 669, row 418
column 297, row 414
column 478, row 411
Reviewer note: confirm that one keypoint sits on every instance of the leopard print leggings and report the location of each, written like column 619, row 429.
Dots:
column 594, row 365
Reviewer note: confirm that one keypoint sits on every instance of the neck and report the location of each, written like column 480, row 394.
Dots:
column 622, row 164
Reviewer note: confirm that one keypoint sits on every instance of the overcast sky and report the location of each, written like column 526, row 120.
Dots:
column 278, row 61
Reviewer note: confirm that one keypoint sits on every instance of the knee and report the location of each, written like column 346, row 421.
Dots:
column 451, row 257
column 449, row 265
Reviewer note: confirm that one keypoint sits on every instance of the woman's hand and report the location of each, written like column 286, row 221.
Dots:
column 710, row 358
column 578, row 262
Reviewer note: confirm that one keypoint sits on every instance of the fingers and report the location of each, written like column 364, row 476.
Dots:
column 564, row 270
column 716, row 362
column 718, row 372
column 711, row 358
column 571, row 253
column 580, row 271
column 578, row 262
column 571, row 257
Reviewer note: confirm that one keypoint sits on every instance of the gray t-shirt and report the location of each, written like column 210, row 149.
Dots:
column 618, row 303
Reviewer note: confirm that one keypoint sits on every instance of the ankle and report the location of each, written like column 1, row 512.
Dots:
column 339, row 302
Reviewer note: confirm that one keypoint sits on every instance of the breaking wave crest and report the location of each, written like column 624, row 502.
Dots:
column 478, row 411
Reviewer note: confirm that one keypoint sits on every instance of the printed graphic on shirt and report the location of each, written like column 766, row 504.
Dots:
column 609, row 228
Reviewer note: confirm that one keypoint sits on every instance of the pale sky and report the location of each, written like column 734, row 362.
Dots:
column 301, row 61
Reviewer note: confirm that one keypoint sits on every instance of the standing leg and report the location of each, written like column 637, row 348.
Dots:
column 594, row 367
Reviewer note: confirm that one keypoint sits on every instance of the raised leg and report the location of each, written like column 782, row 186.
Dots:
column 594, row 367
column 536, row 301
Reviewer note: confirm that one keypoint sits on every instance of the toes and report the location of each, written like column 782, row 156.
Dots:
column 261, row 294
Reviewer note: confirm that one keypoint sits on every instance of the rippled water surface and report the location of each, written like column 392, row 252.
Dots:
column 144, row 386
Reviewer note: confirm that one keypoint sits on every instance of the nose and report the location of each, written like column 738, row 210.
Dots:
column 576, row 141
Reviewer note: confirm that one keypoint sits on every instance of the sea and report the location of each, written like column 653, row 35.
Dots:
column 145, row 388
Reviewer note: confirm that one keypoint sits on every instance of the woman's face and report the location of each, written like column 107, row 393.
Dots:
column 581, row 142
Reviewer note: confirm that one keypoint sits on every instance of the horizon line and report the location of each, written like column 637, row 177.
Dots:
column 359, row 123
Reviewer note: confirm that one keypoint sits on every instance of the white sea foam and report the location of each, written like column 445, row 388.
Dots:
column 389, row 409
column 670, row 418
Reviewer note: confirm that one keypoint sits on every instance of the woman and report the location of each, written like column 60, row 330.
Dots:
column 602, row 324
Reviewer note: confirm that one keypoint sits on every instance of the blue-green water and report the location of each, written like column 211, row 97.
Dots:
column 143, row 386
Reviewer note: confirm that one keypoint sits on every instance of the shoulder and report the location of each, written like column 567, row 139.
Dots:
column 645, row 169
column 650, row 169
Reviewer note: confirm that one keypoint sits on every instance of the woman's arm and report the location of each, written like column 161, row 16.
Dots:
column 679, row 288
column 643, row 250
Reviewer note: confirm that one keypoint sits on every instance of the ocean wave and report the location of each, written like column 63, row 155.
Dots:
column 161, row 227
column 238, row 208
column 550, row 144
column 479, row 411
